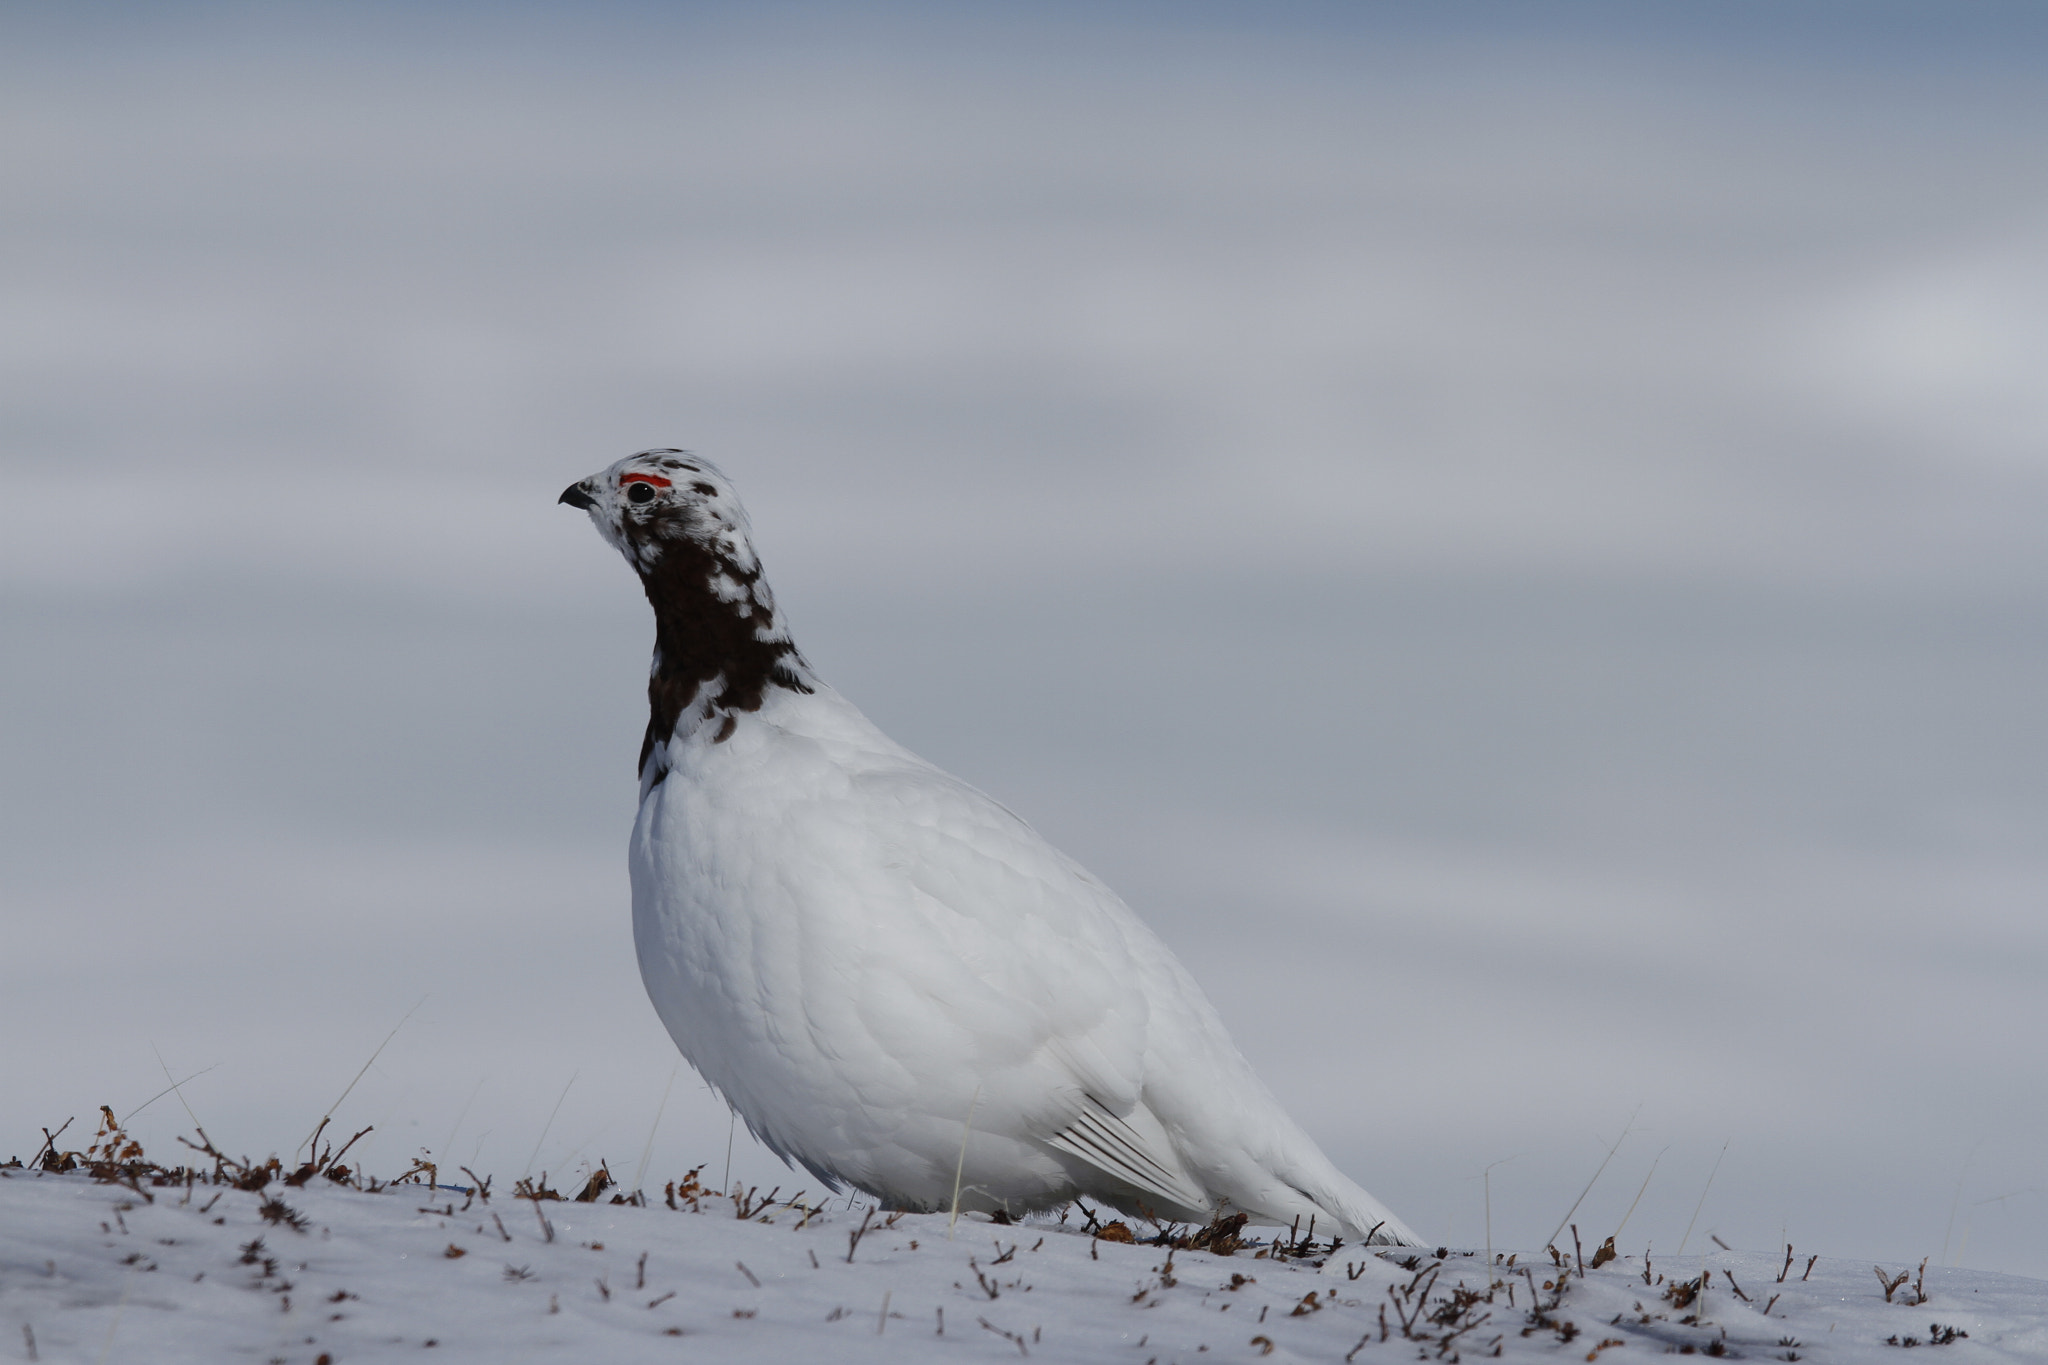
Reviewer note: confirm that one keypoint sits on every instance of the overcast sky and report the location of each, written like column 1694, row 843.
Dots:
column 1512, row 534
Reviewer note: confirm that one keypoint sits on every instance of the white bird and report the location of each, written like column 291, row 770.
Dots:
column 896, row 982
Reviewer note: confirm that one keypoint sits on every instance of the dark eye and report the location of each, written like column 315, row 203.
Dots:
column 640, row 492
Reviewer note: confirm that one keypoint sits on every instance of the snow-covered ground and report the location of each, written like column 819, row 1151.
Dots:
column 322, row 1272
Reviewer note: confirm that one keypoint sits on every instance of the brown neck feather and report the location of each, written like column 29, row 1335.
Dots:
column 702, row 641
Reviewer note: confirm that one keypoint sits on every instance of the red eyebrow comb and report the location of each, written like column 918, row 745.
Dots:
column 654, row 479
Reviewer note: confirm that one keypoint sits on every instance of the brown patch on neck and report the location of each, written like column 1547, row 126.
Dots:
column 701, row 639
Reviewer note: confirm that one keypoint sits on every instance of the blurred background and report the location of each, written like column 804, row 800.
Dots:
column 1513, row 535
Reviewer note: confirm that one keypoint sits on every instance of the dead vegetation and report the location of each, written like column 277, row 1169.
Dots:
column 114, row 1157
column 1441, row 1310
column 1892, row 1283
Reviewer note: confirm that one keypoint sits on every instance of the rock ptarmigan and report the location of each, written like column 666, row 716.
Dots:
column 896, row 982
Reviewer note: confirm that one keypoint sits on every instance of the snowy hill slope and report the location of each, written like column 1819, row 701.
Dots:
column 328, row 1272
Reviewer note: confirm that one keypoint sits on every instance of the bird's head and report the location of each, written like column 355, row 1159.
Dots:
column 658, row 500
column 719, row 647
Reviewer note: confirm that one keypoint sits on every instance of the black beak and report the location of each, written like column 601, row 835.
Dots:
column 575, row 496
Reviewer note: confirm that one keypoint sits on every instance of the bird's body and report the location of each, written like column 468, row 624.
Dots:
column 895, row 981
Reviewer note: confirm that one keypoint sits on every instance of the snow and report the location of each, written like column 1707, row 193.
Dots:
column 103, row 1272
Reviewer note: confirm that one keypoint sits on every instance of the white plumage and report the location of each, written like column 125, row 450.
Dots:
column 895, row 981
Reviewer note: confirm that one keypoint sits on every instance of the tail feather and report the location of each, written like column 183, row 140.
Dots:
column 1371, row 1221
column 1339, row 1198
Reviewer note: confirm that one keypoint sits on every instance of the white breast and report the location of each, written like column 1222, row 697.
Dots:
column 874, row 963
